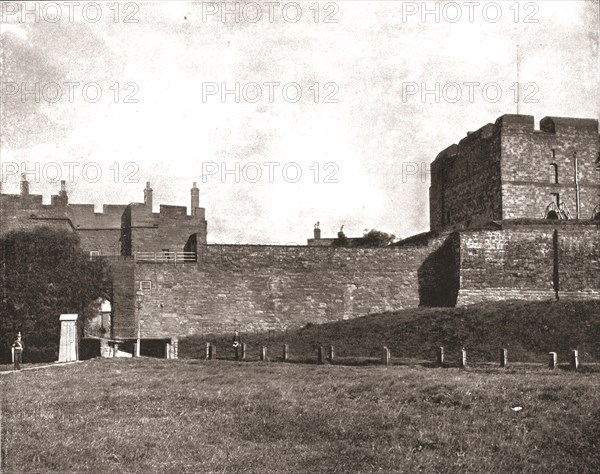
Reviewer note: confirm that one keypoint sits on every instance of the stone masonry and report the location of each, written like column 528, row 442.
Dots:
column 514, row 212
column 508, row 170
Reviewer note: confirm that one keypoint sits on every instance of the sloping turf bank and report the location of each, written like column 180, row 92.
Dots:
column 528, row 330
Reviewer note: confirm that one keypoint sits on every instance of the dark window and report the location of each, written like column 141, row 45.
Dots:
column 554, row 173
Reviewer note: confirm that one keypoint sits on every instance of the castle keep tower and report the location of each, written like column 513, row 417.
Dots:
column 508, row 170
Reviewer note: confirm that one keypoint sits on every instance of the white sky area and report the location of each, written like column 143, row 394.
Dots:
column 372, row 138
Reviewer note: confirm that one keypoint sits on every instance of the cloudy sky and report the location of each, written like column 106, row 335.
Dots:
column 103, row 97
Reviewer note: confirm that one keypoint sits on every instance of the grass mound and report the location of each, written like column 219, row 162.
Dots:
column 529, row 330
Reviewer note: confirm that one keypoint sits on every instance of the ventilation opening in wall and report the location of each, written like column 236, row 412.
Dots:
column 554, row 173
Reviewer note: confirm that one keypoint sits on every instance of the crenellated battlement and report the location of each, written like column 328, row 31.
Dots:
column 510, row 170
column 104, row 232
column 553, row 125
column 508, row 124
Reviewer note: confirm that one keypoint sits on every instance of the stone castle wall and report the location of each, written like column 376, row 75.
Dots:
column 509, row 170
column 268, row 287
column 532, row 162
column 169, row 229
column 135, row 225
column 492, row 184
column 466, row 181
column 98, row 231
column 530, row 262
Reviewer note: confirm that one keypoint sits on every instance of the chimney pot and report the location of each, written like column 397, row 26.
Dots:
column 24, row 186
column 148, row 197
column 317, row 231
column 195, row 192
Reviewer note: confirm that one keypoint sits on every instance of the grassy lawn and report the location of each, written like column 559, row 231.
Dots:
column 200, row 416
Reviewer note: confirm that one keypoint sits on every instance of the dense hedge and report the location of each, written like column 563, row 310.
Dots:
column 43, row 274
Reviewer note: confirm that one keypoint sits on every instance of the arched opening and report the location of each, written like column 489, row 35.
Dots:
column 553, row 210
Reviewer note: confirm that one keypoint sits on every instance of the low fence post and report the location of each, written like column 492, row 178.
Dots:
column 553, row 360
column 385, row 356
column 263, row 353
column 440, row 357
column 320, row 358
column 285, row 352
column 207, row 351
column 574, row 359
column 331, row 354
column 243, row 351
column 503, row 358
column 212, row 353
column 462, row 363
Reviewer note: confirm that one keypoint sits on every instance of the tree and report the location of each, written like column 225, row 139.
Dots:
column 44, row 273
column 376, row 238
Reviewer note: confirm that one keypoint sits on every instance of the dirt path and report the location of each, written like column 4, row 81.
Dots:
column 38, row 367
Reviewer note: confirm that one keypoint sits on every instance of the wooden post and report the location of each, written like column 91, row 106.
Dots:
column 263, row 353
column 285, row 352
column 320, row 358
column 385, row 356
column 207, row 350
column 503, row 358
column 462, row 363
column 553, row 360
column 243, row 351
column 212, row 352
column 331, row 354
column 440, row 357
column 574, row 359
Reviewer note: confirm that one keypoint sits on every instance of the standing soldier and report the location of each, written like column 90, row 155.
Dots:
column 236, row 344
column 17, row 352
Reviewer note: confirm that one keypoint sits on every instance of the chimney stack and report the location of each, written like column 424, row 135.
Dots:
column 62, row 198
column 148, row 197
column 24, row 186
column 63, row 192
column 195, row 199
column 317, row 231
